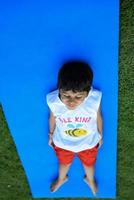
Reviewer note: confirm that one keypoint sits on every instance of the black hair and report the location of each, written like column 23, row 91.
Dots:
column 76, row 76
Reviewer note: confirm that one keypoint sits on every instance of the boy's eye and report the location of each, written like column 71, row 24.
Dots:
column 78, row 97
column 65, row 96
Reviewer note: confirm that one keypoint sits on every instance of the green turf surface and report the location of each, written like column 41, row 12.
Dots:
column 13, row 183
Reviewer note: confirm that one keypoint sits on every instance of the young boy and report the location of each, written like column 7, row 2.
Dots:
column 75, row 121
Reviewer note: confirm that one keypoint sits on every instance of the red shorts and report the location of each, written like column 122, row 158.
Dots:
column 87, row 157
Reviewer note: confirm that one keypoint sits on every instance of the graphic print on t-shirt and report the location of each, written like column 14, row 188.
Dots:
column 75, row 131
column 75, row 127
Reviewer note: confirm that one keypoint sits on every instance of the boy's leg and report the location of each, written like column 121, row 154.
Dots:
column 65, row 158
column 88, row 159
column 89, row 171
column 89, row 178
column 63, row 170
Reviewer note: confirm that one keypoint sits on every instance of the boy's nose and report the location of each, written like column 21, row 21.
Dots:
column 72, row 100
column 72, row 103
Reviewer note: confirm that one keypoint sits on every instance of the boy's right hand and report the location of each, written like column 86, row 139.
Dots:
column 50, row 141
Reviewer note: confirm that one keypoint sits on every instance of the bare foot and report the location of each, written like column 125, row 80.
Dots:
column 92, row 185
column 57, row 184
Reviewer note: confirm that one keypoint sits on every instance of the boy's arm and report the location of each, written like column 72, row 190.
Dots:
column 51, row 123
column 51, row 128
column 99, row 121
column 100, row 124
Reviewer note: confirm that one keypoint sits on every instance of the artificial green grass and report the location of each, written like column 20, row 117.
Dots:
column 125, row 170
column 13, row 183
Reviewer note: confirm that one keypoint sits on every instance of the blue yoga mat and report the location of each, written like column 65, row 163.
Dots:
column 36, row 37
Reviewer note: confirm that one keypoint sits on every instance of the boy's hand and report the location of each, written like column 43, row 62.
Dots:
column 50, row 141
column 100, row 143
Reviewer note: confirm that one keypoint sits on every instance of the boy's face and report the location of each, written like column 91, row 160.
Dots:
column 72, row 99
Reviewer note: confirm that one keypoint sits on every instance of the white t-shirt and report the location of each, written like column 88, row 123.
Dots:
column 76, row 130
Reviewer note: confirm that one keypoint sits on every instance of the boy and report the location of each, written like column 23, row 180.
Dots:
column 75, row 121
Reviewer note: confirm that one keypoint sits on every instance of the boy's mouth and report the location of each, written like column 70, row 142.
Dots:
column 71, row 107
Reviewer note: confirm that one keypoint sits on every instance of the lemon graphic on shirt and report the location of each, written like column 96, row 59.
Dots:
column 76, row 132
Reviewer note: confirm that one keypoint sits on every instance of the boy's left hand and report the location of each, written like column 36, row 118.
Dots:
column 100, row 143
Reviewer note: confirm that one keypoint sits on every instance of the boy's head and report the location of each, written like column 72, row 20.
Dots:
column 74, row 82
